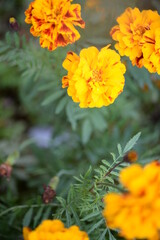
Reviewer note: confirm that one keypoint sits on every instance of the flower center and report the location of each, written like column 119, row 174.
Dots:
column 57, row 12
column 96, row 75
column 141, row 30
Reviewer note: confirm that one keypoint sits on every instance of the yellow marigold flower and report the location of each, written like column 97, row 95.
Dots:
column 54, row 230
column 132, row 25
column 140, row 206
column 53, row 21
column 95, row 78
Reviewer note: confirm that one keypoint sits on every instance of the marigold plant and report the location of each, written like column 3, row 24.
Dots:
column 53, row 21
column 134, row 28
column 95, row 78
column 54, row 230
column 140, row 205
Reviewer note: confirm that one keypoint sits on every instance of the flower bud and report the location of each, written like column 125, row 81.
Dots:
column 13, row 24
column 48, row 194
column 131, row 157
column 5, row 170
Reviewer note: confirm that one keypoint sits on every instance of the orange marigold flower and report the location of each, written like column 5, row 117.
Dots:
column 53, row 21
column 95, row 78
column 140, row 206
column 133, row 24
column 151, row 48
column 55, row 230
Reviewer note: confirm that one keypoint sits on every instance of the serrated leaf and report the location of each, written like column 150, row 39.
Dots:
column 131, row 142
column 27, row 218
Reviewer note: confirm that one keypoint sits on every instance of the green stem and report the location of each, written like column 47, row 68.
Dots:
column 116, row 165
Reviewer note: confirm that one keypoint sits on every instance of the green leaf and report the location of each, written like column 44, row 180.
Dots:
column 98, row 120
column 98, row 224
column 111, row 237
column 70, row 111
column 47, row 213
column 75, row 216
column 119, row 149
column 37, row 217
column 68, row 218
column 131, row 142
column 113, row 156
column 52, row 98
column 91, row 215
column 16, row 40
column 61, row 105
column 102, row 237
column 106, row 163
column 28, row 217
column 86, row 131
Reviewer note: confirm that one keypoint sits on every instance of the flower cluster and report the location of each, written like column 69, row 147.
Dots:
column 54, row 230
column 53, row 21
column 95, row 78
column 137, row 36
column 140, row 206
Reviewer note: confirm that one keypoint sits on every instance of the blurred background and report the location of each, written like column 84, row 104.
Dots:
column 42, row 132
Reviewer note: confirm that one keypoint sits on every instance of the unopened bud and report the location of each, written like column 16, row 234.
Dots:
column 131, row 157
column 48, row 194
column 5, row 170
column 13, row 24
column 54, row 182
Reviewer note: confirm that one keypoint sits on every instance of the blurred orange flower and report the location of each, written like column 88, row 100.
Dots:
column 55, row 230
column 151, row 48
column 53, row 21
column 140, row 206
column 95, row 78
column 132, row 25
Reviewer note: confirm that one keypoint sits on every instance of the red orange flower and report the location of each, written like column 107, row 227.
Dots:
column 53, row 21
